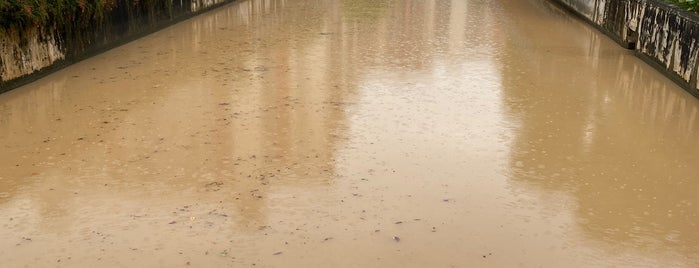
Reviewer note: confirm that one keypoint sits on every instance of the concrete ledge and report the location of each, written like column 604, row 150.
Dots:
column 29, row 54
column 663, row 35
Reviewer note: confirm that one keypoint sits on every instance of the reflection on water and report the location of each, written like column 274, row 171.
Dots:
column 611, row 132
column 196, row 5
column 353, row 133
column 202, row 119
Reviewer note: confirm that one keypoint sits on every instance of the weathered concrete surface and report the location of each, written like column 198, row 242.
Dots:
column 16, row 60
column 664, row 35
column 29, row 53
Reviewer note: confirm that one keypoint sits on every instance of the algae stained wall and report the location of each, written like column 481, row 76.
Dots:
column 31, row 49
column 662, row 34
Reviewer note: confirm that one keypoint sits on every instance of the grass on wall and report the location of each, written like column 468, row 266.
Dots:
column 28, row 13
column 689, row 5
column 52, row 13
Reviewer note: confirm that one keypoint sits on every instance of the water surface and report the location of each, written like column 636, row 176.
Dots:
column 338, row 133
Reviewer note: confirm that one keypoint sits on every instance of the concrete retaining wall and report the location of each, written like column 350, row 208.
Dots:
column 27, row 54
column 665, row 36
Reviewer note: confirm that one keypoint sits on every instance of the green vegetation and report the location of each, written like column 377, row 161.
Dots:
column 81, row 13
column 25, row 13
column 689, row 5
column 77, row 23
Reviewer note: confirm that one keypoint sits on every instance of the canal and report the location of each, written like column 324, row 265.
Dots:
column 354, row 133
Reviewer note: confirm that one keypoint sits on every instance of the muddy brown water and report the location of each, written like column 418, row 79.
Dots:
column 370, row 133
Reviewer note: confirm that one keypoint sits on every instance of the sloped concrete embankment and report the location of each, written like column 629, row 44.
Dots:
column 663, row 35
column 31, row 52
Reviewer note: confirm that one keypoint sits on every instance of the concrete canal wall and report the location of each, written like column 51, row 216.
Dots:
column 30, row 49
column 663, row 35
